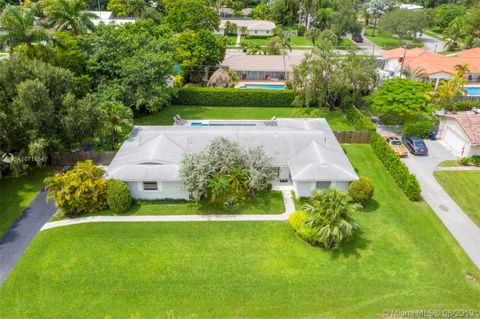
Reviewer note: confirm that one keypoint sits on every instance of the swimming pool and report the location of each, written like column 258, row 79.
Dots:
column 473, row 91
column 264, row 86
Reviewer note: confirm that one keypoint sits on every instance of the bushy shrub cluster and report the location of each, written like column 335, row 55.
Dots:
column 404, row 179
column 358, row 120
column 472, row 160
column 417, row 128
column 203, row 96
column 118, row 196
column 297, row 221
column 361, row 190
column 464, row 105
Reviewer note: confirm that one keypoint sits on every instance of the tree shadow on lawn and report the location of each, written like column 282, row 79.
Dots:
column 371, row 206
column 352, row 248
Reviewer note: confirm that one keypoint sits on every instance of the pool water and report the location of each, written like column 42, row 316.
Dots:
column 264, row 86
column 473, row 91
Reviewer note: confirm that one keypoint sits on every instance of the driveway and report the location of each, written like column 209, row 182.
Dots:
column 431, row 44
column 20, row 234
column 457, row 222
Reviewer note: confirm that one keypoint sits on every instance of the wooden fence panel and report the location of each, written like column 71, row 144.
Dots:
column 98, row 158
column 353, row 137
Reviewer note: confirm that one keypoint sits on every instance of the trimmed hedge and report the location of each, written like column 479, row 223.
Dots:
column 204, row 96
column 361, row 190
column 118, row 194
column 417, row 128
column 465, row 105
column 405, row 180
column 402, row 176
column 358, row 120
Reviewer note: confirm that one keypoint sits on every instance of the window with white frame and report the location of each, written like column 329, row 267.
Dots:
column 150, row 186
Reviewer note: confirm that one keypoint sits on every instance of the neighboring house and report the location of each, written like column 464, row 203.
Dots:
column 432, row 66
column 461, row 131
column 305, row 153
column 228, row 12
column 253, row 28
column 108, row 17
column 409, row 6
column 262, row 67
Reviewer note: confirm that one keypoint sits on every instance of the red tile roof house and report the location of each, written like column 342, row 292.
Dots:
column 432, row 66
column 461, row 132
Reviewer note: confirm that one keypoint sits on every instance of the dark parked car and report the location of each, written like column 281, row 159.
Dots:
column 357, row 38
column 415, row 145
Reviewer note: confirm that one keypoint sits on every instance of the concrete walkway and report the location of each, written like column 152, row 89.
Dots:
column 20, row 234
column 457, row 222
column 457, row 168
column 287, row 198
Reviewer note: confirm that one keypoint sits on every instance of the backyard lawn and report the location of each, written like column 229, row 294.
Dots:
column 464, row 188
column 295, row 41
column 336, row 119
column 270, row 202
column 404, row 259
column 17, row 192
column 389, row 41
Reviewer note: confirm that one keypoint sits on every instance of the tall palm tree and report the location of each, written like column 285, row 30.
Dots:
column 462, row 69
column 469, row 42
column 116, row 120
column 417, row 73
column 279, row 45
column 70, row 15
column 329, row 216
column 18, row 27
column 136, row 8
column 218, row 188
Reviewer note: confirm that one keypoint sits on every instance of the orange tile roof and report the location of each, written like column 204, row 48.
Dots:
column 433, row 63
column 472, row 53
column 470, row 122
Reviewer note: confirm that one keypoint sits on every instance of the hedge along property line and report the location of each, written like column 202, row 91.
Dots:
column 405, row 180
column 203, row 96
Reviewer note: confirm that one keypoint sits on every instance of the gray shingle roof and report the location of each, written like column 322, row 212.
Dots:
column 307, row 146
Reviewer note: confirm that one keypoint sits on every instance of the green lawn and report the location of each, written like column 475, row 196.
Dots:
column 449, row 163
column 464, row 188
column 17, row 192
column 387, row 40
column 262, row 203
column 295, row 41
column 336, row 119
column 403, row 259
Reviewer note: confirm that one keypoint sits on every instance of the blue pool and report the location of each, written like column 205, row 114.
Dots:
column 264, row 86
column 473, row 91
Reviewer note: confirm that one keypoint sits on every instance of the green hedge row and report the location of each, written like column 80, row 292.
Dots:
column 417, row 128
column 358, row 120
column 204, row 96
column 465, row 105
column 404, row 179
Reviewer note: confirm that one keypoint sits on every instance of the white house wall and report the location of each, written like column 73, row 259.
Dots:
column 170, row 190
column 455, row 126
column 305, row 188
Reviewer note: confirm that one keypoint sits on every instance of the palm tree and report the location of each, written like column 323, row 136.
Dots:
column 218, row 188
column 70, row 15
column 469, row 42
column 417, row 73
column 18, row 27
column 238, row 179
column 116, row 121
column 136, row 8
column 329, row 216
column 462, row 69
column 281, row 42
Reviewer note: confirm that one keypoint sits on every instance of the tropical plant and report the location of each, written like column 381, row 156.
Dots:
column 218, row 188
column 238, row 179
column 329, row 216
column 446, row 92
column 470, row 42
column 69, row 15
column 414, row 73
column 136, row 8
column 116, row 121
column 375, row 9
column 18, row 28
column 80, row 190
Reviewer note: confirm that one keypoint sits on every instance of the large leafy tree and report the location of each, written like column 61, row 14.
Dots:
column 132, row 63
column 446, row 13
column 325, row 79
column 403, row 22
column 198, row 52
column 18, row 28
column 401, row 97
column 193, row 15
column 375, row 9
column 69, row 15
column 116, row 121
column 329, row 216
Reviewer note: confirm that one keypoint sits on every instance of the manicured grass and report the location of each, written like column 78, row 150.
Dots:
column 17, row 192
column 403, row 259
column 387, row 40
column 464, row 188
column 449, row 163
column 336, row 119
column 295, row 41
column 268, row 202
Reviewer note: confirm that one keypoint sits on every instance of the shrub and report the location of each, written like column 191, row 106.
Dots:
column 358, row 120
column 464, row 105
column 80, row 190
column 361, row 190
column 399, row 171
column 297, row 219
column 464, row 161
column 119, row 198
column 234, row 97
column 417, row 128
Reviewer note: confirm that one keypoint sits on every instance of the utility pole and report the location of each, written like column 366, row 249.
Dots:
column 403, row 59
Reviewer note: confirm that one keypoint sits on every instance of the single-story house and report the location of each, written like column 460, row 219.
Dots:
column 305, row 153
column 254, row 28
column 432, row 66
column 108, row 17
column 262, row 67
column 409, row 6
column 461, row 132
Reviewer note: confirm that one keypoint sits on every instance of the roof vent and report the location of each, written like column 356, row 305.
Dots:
column 270, row 123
